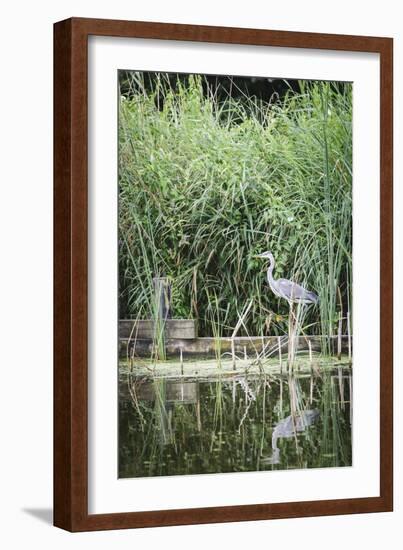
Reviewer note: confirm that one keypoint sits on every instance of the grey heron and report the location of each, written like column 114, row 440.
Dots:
column 284, row 288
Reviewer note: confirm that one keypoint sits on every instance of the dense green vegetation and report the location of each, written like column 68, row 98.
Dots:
column 204, row 185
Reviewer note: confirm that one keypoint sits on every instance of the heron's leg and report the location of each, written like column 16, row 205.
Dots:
column 292, row 313
column 289, row 336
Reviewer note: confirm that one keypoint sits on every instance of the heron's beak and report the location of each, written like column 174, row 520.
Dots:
column 259, row 256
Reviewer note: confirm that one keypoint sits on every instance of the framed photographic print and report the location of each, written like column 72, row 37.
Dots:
column 222, row 276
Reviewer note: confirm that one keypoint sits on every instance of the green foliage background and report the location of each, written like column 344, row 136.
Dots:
column 207, row 183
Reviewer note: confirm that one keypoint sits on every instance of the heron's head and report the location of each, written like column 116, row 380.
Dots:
column 265, row 255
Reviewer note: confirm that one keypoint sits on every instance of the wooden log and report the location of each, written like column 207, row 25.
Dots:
column 205, row 347
column 144, row 329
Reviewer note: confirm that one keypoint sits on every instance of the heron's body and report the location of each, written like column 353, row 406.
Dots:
column 284, row 288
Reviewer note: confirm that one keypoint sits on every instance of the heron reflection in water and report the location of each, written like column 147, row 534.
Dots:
column 289, row 427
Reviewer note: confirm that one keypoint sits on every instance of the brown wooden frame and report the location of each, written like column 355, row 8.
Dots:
column 70, row 274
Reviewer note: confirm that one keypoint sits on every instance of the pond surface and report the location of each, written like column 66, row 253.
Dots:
column 239, row 423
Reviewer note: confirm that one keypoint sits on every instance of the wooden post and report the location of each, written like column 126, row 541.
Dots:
column 162, row 290
column 162, row 312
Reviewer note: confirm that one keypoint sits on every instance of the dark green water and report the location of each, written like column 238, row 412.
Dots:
column 193, row 426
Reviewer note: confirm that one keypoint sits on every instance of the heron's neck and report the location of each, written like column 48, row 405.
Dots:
column 270, row 271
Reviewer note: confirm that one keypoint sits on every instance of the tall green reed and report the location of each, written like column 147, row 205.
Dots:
column 204, row 185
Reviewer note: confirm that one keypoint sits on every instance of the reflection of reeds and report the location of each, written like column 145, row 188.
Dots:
column 162, row 416
column 227, row 425
column 333, row 400
column 218, row 411
column 133, row 394
column 250, row 397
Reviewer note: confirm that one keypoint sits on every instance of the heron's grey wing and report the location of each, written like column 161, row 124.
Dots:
column 294, row 291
